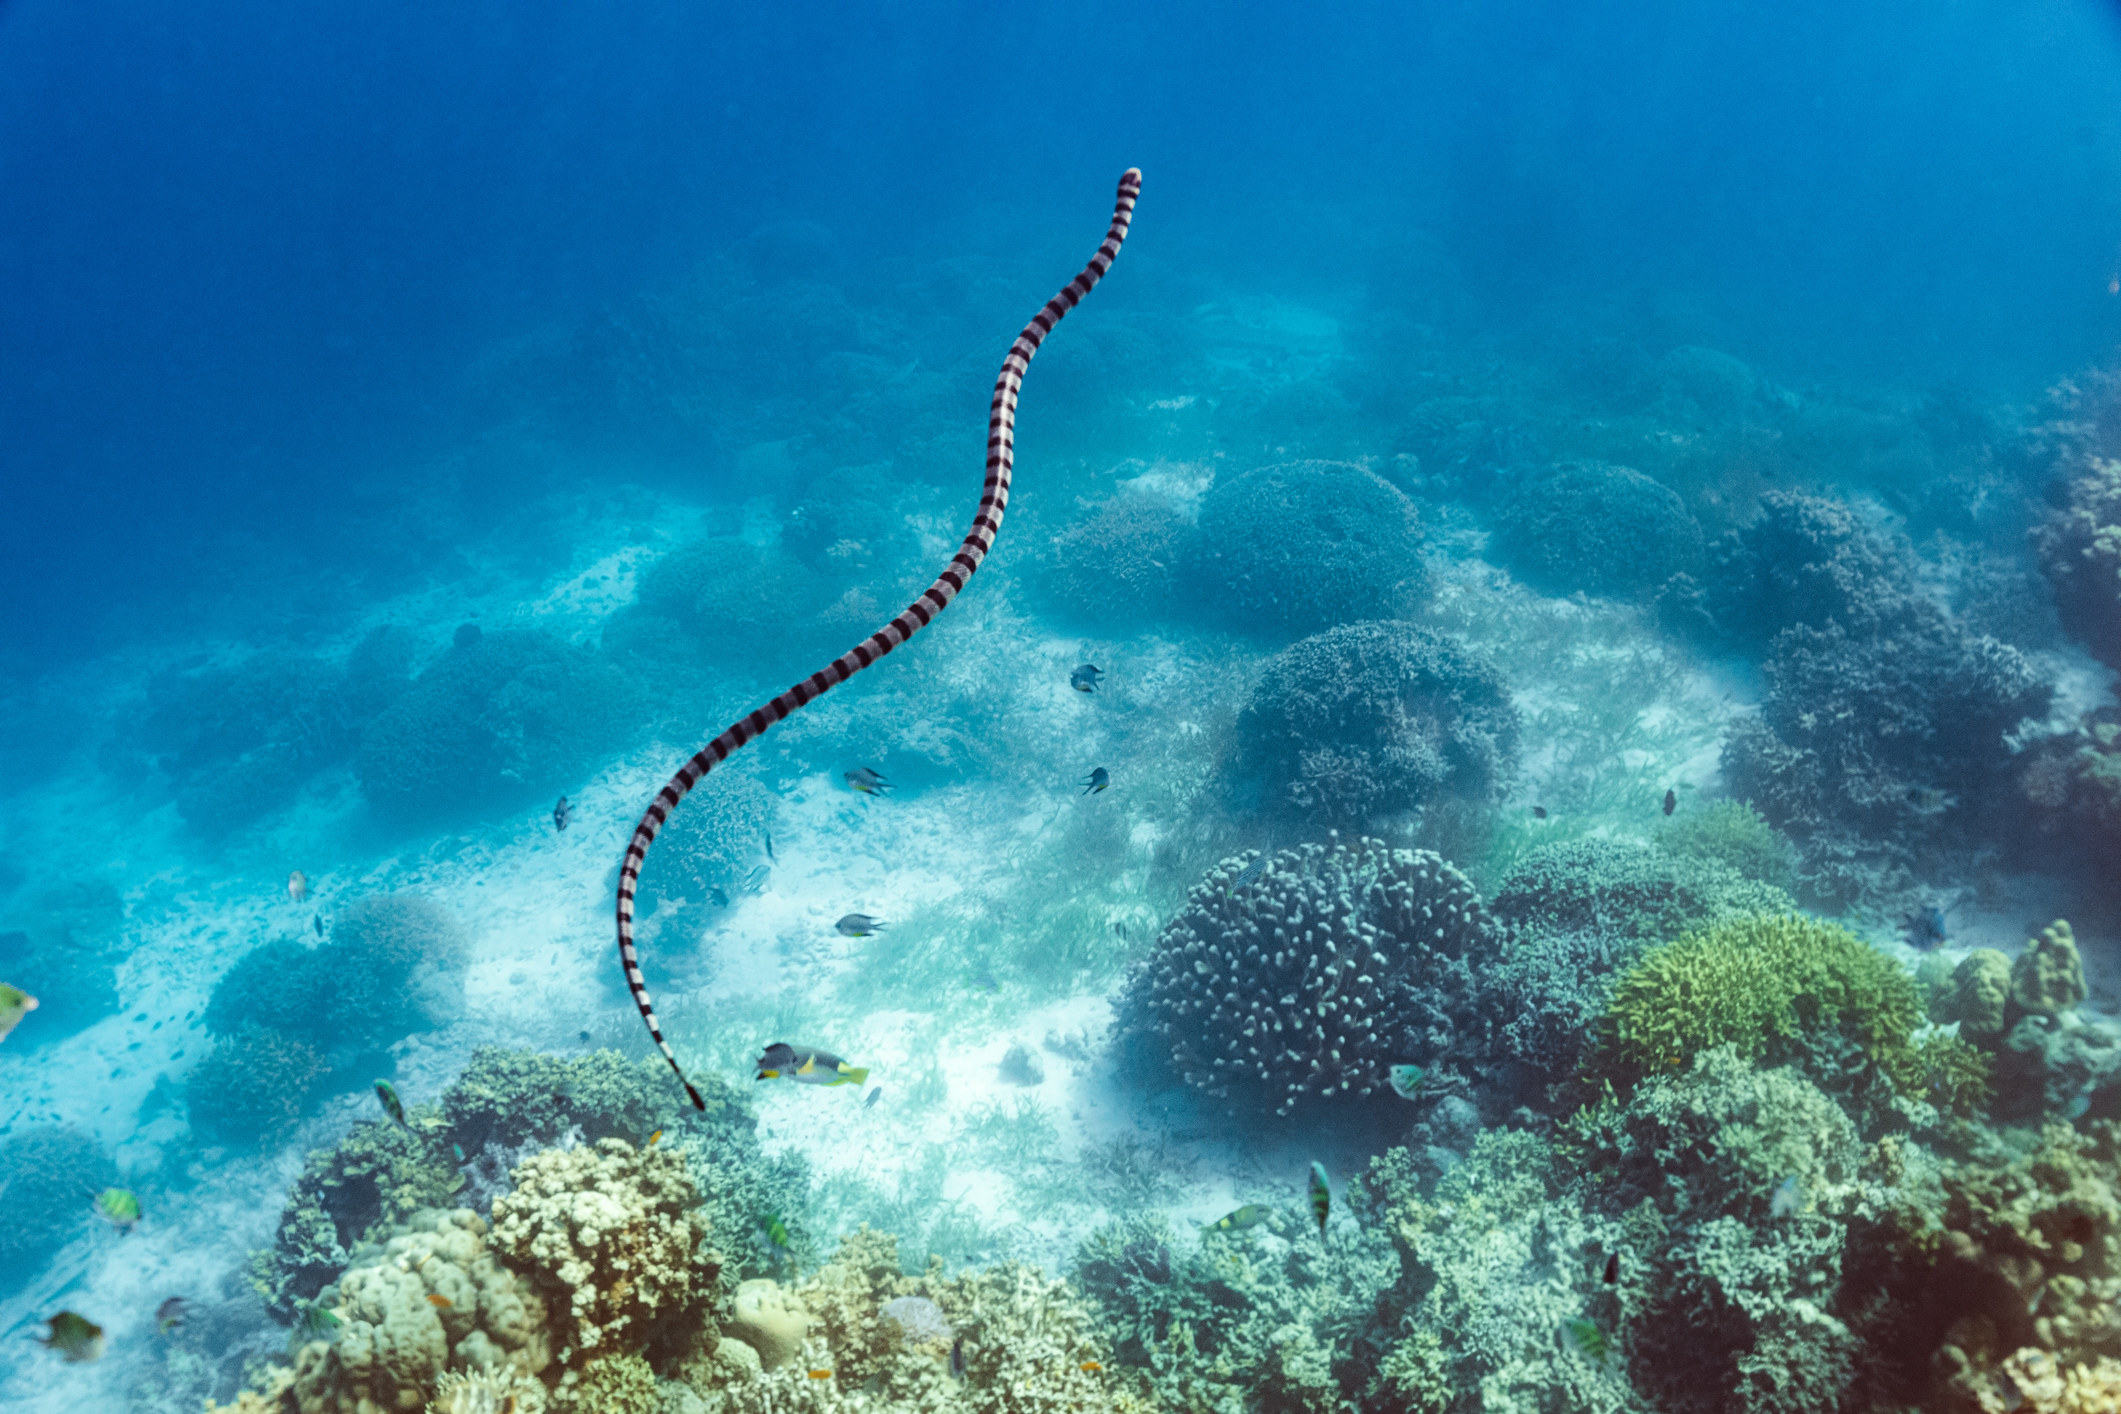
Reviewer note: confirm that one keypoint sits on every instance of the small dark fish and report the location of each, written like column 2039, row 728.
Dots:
column 388, row 1094
column 561, row 814
column 858, row 925
column 1924, row 928
column 1539, row 812
column 809, row 1066
column 1671, row 800
column 170, row 1314
column 769, row 845
column 870, row 1102
column 718, row 898
column 1237, row 1220
column 1096, row 781
column 957, row 1358
column 317, row 922
column 582, row 1035
column 1612, row 1268
column 76, row 1337
column 865, row 781
column 1084, row 678
column 1321, row 1196
column 1248, row 874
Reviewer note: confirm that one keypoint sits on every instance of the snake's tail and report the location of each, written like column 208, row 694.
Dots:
column 986, row 524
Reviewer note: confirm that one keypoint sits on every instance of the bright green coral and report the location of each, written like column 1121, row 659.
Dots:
column 1778, row 990
column 1734, row 834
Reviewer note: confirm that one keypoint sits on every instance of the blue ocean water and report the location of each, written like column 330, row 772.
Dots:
column 1655, row 459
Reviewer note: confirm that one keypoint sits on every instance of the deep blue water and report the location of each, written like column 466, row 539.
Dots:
column 251, row 249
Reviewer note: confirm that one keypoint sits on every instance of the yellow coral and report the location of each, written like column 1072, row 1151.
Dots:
column 2038, row 1383
column 271, row 1399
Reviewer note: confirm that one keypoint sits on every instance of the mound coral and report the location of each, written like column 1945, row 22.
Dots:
column 711, row 840
column 432, row 1299
column 1874, row 747
column 724, row 602
column 499, row 720
column 45, row 1174
column 1334, row 964
column 392, row 965
column 253, row 1087
column 2048, row 1060
column 1289, row 550
column 1598, row 529
column 1118, row 563
column 2079, row 549
column 1733, row 833
column 1806, row 560
column 1785, row 990
column 610, row 1235
column 1374, row 719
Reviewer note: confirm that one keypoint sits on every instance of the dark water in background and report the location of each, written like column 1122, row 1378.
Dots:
column 249, row 249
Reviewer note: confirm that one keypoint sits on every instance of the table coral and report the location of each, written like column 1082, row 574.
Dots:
column 610, row 1235
column 1335, row 963
column 1374, row 719
column 397, row 1339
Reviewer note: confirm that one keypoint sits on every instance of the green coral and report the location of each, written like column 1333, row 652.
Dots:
column 1734, row 834
column 1633, row 892
column 253, row 1087
column 1779, row 990
column 609, row 1384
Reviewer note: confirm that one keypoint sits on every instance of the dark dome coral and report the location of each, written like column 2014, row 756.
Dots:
column 1598, row 528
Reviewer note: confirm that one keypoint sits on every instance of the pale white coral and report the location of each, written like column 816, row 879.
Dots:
column 432, row 1299
column 481, row 1393
column 610, row 1235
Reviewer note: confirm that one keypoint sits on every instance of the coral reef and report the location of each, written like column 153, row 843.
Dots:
column 1289, row 550
column 504, row 1391
column 1806, row 560
column 1786, row 991
column 393, row 964
column 2079, row 549
column 610, row 1235
column 1119, row 561
column 46, row 1173
column 253, row 1087
column 716, row 834
column 1374, row 719
column 499, row 720
column 1873, row 750
column 1335, row 963
column 1598, row 529
column 432, row 1298
column 768, row 1320
column 1733, row 833
column 723, row 603
column 2047, row 1059
column 236, row 742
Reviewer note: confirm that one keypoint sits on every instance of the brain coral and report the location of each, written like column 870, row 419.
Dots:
column 1332, row 965
column 396, row 1340
column 611, row 1236
column 1600, row 529
column 1374, row 719
column 1289, row 550
column 2079, row 548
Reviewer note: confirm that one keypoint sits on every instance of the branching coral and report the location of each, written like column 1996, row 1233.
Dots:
column 2079, row 548
column 1784, row 990
column 610, row 1235
column 253, row 1087
column 432, row 1299
column 1293, row 549
column 1601, row 529
column 715, row 835
column 1807, row 560
column 499, row 719
column 1374, row 719
column 1331, row 965
column 1733, row 833
column 1119, row 561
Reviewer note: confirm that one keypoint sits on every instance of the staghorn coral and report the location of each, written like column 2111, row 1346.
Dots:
column 2079, row 549
column 1290, row 550
column 397, row 1340
column 1599, row 529
column 1785, row 990
column 610, row 1235
column 499, row 720
column 44, row 1171
column 1335, row 963
column 253, row 1087
column 1374, row 719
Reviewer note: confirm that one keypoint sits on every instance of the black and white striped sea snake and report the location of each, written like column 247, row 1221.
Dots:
column 986, row 524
